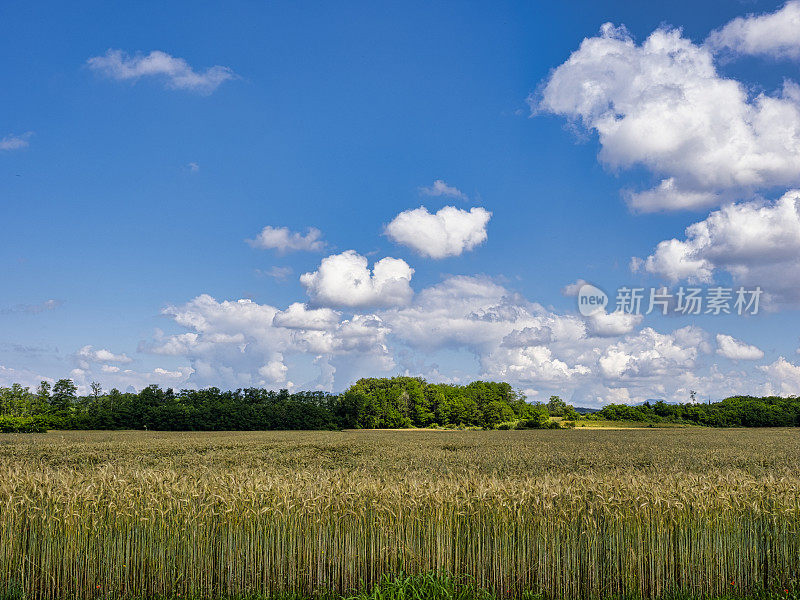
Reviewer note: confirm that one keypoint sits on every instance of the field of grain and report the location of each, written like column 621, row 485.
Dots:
column 571, row 514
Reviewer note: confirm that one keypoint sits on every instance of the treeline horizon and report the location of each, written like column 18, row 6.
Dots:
column 397, row 402
column 734, row 411
column 370, row 403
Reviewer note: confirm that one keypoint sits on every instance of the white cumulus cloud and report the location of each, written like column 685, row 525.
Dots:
column 783, row 377
column 495, row 332
column 729, row 347
column 663, row 105
column 775, row 34
column 757, row 242
column 243, row 343
column 448, row 232
column 572, row 289
column 650, row 354
column 345, row 280
column 531, row 363
column 299, row 316
column 604, row 324
column 101, row 355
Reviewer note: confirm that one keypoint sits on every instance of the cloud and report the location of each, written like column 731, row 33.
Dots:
column 277, row 273
column 230, row 343
column 603, row 324
column 299, row 316
column 528, row 336
column 730, row 347
column 176, row 72
column 440, row 188
column 479, row 314
column 493, row 333
column 15, row 142
column 32, row 309
column 30, row 349
column 242, row 343
column 165, row 373
column 757, row 242
column 449, row 232
column 668, row 196
column 775, row 34
column 675, row 260
column 662, row 105
column 111, row 376
column 88, row 354
column 509, row 337
column 650, row 354
column 24, row 377
column 523, row 342
column 572, row 289
column 345, row 280
column 784, row 377
column 193, row 167
column 532, row 363
column 284, row 240
column 108, row 368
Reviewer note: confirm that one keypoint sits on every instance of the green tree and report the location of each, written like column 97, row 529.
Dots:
column 43, row 396
column 497, row 412
column 442, row 406
column 539, row 418
column 556, row 406
column 17, row 401
column 64, row 396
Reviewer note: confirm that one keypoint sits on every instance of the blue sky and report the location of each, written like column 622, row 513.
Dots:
column 130, row 182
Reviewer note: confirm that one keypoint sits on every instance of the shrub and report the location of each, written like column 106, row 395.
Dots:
column 10, row 424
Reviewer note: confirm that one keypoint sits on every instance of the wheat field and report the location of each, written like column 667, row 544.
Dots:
column 568, row 514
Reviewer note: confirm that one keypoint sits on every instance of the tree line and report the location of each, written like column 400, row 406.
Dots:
column 371, row 403
column 736, row 411
column 398, row 402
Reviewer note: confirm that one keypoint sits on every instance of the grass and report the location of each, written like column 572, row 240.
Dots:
column 636, row 513
column 428, row 586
